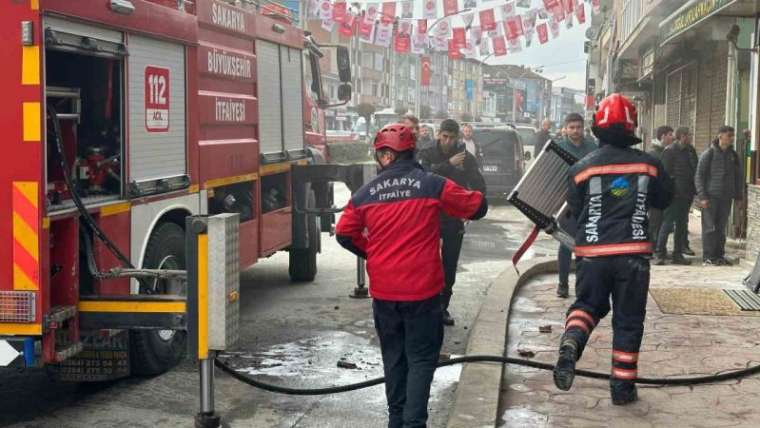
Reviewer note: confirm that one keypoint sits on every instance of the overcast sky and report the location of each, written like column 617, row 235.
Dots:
column 562, row 58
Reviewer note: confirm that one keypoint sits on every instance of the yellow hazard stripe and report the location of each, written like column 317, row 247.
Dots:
column 13, row 329
column 26, row 237
column 32, row 119
column 30, row 65
column 34, row 4
column 194, row 188
column 202, row 296
column 226, row 181
column 115, row 209
column 132, row 306
column 21, row 281
column 274, row 168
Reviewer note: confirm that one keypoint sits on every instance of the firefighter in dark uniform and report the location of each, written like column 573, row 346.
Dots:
column 449, row 158
column 611, row 192
column 394, row 223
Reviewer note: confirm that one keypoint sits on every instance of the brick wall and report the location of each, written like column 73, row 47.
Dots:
column 753, row 222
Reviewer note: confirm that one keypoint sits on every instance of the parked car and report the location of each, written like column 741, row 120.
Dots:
column 503, row 158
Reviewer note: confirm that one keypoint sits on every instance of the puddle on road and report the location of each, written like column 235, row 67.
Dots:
column 313, row 361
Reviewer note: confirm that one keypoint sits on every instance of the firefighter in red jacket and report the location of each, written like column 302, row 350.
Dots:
column 610, row 192
column 393, row 222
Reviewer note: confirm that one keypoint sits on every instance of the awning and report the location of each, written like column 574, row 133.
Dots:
column 690, row 15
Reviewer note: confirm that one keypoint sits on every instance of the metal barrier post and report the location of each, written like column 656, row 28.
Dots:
column 360, row 292
column 213, row 275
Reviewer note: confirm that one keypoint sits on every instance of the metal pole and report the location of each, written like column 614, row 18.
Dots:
column 207, row 385
column 360, row 292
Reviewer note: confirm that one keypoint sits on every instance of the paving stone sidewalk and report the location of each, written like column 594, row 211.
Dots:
column 674, row 345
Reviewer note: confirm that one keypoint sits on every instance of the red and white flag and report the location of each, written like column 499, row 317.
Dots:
column 551, row 4
column 543, row 33
column 513, row 27
column 383, row 34
column 487, row 20
column 454, row 52
column 430, row 9
column 403, row 43
column 422, row 26
column 389, row 11
column 372, row 12
column 450, row 7
column 580, row 13
column 426, row 72
column 367, row 30
column 346, row 26
column 339, row 12
column 508, row 10
column 325, row 11
column 499, row 46
column 597, row 6
column 419, row 43
column 443, row 29
column 460, row 37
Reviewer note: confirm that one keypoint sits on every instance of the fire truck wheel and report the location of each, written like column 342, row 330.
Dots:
column 303, row 262
column 156, row 351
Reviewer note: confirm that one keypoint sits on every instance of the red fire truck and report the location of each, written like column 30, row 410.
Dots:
column 122, row 118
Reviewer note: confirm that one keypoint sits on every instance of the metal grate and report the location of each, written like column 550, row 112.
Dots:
column 17, row 306
column 747, row 300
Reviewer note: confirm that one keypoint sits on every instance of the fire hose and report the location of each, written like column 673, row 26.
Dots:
column 675, row 381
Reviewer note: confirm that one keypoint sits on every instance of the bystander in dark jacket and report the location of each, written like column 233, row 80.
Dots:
column 719, row 181
column 664, row 136
column 676, row 158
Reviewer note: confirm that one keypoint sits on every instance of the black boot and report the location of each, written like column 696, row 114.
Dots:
column 563, row 290
column 447, row 320
column 564, row 370
column 623, row 392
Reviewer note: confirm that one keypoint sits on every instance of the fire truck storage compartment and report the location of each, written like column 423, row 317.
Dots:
column 157, row 146
column 234, row 198
column 275, row 192
column 280, row 89
column 83, row 84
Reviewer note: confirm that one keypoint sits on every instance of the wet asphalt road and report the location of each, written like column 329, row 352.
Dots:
column 291, row 334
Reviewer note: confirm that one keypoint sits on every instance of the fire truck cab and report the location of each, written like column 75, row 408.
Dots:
column 122, row 118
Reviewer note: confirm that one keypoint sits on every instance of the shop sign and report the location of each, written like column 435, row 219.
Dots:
column 691, row 14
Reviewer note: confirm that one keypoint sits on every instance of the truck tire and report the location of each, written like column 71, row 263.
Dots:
column 153, row 352
column 303, row 262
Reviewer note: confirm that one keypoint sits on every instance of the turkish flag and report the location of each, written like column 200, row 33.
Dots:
column 580, row 13
column 403, row 43
column 551, row 4
column 339, row 12
column 389, row 11
column 487, row 20
column 422, row 26
column 454, row 52
column 426, row 71
column 513, row 27
column 499, row 46
column 460, row 37
column 450, row 7
column 543, row 33
column 366, row 30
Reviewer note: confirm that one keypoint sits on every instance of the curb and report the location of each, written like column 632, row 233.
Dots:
column 476, row 403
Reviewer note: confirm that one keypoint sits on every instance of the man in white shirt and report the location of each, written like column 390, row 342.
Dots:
column 469, row 142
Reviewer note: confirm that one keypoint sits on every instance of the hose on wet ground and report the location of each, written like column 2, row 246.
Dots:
column 674, row 381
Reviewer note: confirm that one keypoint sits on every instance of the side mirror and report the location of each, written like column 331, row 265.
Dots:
column 344, row 64
column 344, row 92
column 527, row 156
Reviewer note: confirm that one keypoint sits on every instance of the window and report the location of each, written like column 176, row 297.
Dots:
column 379, row 62
column 367, row 59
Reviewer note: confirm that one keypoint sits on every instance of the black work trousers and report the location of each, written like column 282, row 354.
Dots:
column 655, row 221
column 411, row 335
column 676, row 221
column 452, row 234
column 714, row 222
column 626, row 280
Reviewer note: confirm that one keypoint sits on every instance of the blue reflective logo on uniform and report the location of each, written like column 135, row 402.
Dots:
column 620, row 187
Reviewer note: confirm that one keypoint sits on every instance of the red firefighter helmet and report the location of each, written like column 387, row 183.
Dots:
column 395, row 137
column 616, row 113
